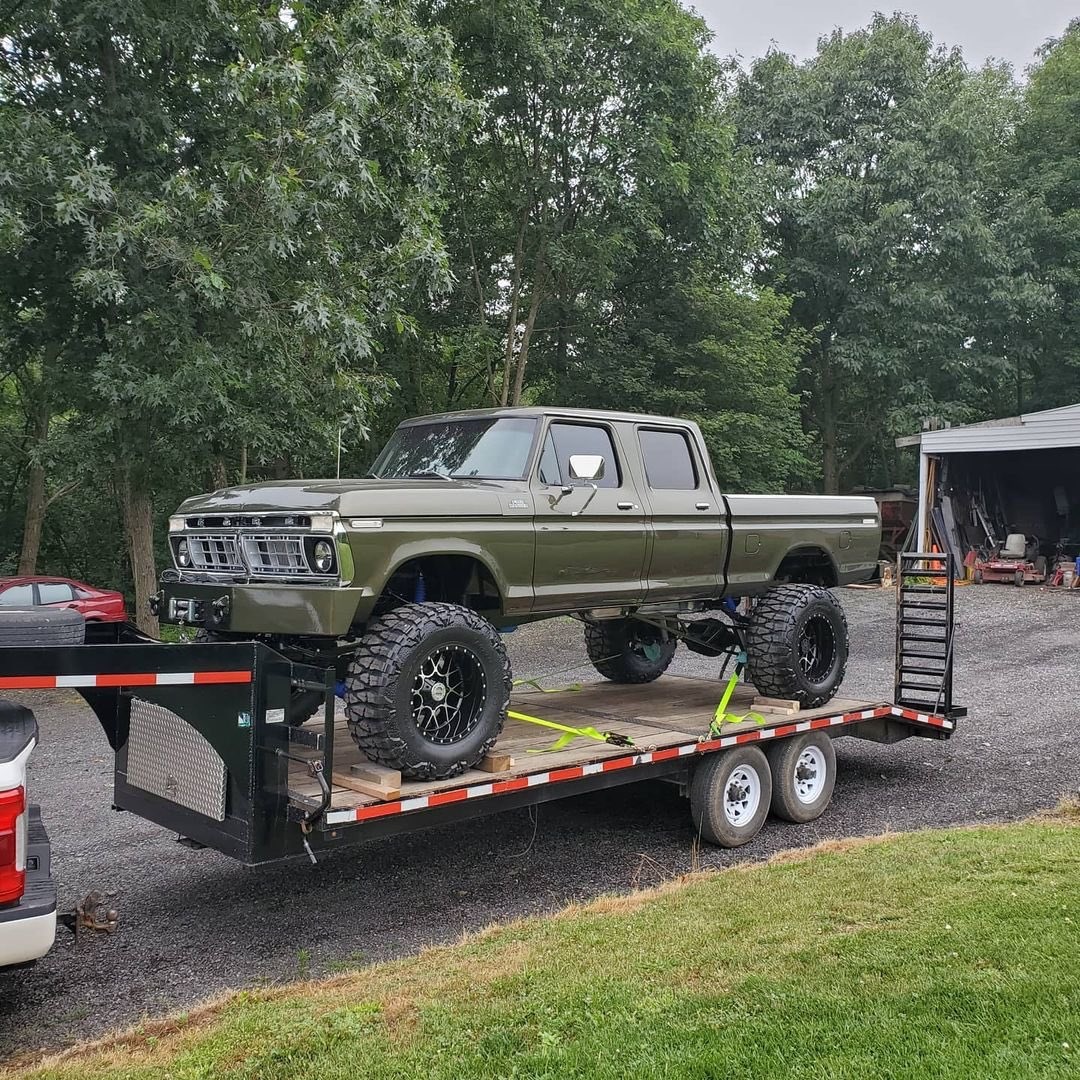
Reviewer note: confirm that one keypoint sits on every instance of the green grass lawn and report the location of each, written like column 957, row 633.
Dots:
column 936, row 954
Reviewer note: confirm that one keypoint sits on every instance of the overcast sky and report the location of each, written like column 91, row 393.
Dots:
column 1003, row 29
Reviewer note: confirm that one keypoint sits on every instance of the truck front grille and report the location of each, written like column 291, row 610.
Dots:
column 275, row 554
column 218, row 552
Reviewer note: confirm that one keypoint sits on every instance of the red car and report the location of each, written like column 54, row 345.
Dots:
column 96, row 605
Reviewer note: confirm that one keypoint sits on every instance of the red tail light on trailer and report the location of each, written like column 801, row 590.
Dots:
column 12, row 845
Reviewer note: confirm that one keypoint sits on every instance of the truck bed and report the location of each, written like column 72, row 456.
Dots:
column 674, row 711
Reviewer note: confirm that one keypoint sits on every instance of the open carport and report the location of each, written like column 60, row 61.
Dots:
column 981, row 482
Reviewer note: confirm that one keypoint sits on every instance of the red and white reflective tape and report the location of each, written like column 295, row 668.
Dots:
column 135, row 678
column 670, row 753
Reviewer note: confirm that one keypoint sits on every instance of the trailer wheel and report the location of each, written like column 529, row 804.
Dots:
column 730, row 794
column 427, row 690
column 797, row 645
column 803, row 776
column 41, row 626
column 628, row 650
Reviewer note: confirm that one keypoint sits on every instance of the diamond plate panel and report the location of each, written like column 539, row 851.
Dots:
column 169, row 758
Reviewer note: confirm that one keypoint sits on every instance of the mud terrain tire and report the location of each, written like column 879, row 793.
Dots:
column 427, row 690
column 797, row 646
column 628, row 650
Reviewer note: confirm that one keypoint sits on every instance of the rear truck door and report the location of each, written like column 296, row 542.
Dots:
column 590, row 534
column 689, row 527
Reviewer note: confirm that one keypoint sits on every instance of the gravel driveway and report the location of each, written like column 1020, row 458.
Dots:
column 193, row 923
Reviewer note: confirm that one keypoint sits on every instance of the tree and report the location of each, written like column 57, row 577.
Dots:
column 891, row 226
column 1047, row 165
column 256, row 196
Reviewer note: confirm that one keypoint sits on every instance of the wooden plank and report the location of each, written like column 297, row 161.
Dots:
column 371, row 773
column 783, row 705
column 496, row 762
column 382, row 792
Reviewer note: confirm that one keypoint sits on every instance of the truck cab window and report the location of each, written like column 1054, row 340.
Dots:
column 571, row 439
column 669, row 464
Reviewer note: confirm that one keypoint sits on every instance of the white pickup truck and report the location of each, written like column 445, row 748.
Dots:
column 27, row 890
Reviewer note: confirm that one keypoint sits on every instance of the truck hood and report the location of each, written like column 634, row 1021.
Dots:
column 360, row 498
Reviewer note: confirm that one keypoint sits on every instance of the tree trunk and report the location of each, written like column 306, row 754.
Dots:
column 526, row 337
column 220, row 475
column 36, row 503
column 138, row 511
column 828, row 406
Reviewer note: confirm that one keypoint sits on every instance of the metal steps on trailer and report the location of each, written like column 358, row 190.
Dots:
column 924, row 655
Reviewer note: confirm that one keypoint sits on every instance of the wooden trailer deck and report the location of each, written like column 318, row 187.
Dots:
column 672, row 711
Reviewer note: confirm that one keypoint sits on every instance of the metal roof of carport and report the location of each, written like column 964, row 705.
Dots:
column 1031, row 431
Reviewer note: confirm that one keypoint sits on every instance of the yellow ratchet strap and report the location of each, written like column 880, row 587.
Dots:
column 613, row 738
column 722, row 716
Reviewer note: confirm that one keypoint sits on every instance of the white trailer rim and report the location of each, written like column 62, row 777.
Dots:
column 742, row 795
column 811, row 771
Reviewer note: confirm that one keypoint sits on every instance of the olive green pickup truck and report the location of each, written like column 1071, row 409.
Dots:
column 473, row 522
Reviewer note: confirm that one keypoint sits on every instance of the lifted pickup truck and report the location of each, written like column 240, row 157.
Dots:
column 473, row 522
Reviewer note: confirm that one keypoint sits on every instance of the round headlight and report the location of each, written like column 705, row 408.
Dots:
column 323, row 553
column 183, row 556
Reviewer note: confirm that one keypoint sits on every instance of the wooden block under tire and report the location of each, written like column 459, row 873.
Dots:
column 496, row 763
column 772, row 704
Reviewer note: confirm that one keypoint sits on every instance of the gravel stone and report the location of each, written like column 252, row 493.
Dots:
column 194, row 923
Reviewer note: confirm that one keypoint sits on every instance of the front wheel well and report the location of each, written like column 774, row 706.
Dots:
column 450, row 579
column 807, row 566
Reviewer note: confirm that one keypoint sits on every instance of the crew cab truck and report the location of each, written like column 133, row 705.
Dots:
column 473, row 522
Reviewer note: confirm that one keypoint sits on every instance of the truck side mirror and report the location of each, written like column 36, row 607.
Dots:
column 586, row 467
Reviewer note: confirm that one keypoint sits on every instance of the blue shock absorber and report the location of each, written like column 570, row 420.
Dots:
column 420, row 592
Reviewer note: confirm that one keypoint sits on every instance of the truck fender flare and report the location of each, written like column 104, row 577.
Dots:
column 468, row 551
column 801, row 548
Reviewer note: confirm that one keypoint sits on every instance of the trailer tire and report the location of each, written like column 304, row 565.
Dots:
column 427, row 690
column 730, row 794
column 803, row 776
column 34, row 626
column 797, row 645
column 628, row 650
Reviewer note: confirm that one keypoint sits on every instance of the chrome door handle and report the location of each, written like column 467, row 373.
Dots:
column 627, row 506
column 703, row 506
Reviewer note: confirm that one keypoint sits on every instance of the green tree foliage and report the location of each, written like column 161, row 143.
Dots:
column 254, row 197
column 1047, row 165
column 599, row 228
column 891, row 226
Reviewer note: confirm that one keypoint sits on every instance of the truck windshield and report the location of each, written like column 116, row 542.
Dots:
column 492, row 448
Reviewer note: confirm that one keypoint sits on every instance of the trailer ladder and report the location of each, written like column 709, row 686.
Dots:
column 924, row 632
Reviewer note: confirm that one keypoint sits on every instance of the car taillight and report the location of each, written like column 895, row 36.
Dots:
column 12, row 844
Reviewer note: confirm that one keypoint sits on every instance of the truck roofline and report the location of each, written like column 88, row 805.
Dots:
column 541, row 411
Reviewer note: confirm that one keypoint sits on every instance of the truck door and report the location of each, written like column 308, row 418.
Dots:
column 689, row 531
column 590, row 534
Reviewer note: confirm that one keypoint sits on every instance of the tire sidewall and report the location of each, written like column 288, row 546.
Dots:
column 783, row 761
column 708, row 788
column 489, row 651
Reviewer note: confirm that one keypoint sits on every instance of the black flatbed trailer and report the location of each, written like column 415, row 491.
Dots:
column 207, row 742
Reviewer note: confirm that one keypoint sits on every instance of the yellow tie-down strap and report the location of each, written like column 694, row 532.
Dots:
column 721, row 716
column 612, row 738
